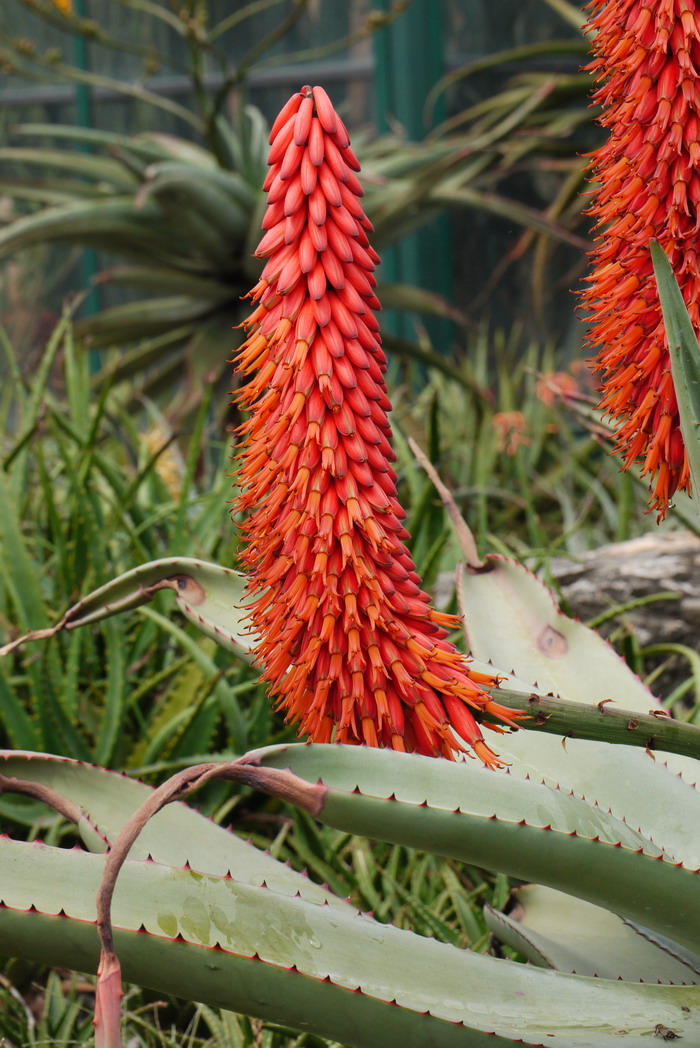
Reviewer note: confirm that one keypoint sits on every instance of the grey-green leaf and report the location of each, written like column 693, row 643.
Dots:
column 177, row 836
column 513, row 624
column 340, row 975
column 555, row 930
column 527, row 829
column 207, row 594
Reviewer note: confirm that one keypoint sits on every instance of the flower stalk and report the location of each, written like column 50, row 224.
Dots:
column 349, row 644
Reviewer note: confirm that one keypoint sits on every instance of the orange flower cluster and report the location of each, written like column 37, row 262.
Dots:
column 348, row 643
column 647, row 60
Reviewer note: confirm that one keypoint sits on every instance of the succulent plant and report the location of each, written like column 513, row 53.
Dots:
column 606, row 835
column 603, row 837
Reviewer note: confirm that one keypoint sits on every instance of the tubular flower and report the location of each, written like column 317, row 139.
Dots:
column 647, row 61
column 349, row 644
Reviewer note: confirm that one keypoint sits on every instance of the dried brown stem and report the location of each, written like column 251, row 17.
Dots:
column 59, row 803
column 39, row 792
column 466, row 539
column 74, row 617
column 246, row 771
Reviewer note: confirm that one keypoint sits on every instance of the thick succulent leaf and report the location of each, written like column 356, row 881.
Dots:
column 207, row 594
column 231, row 183
column 177, row 836
column 178, row 149
column 144, row 356
column 247, row 143
column 340, row 975
column 92, row 167
column 215, row 206
column 137, row 144
column 168, row 279
column 110, row 224
column 147, row 317
column 554, row 930
column 526, row 829
column 538, row 643
column 685, row 358
column 49, row 191
column 418, row 300
column 513, row 623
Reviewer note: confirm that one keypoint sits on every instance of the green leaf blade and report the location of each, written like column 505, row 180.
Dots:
column 685, row 357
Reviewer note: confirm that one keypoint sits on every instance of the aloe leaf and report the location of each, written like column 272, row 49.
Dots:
column 177, row 836
column 253, row 950
column 207, row 594
column 656, row 731
column 135, row 143
column 143, row 356
column 95, row 167
column 538, row 643
column 166, row 278
column 554, row 930
column 568, row 12
column 246, row 145
column 526, row 829
column 178, row 148
column 407, row 296
column 524, row 52
column 510, row 210
column 107, row 223
column 132, row 320
column 50, row 191
column 403, row 348
column 217, row 208
column 685, row 357
column 513, row 624
column 230, row 183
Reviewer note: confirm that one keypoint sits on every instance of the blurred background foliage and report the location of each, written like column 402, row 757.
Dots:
column 133, row 146
column 138, row 130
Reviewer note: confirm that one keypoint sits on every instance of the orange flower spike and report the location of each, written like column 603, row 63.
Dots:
column 349, row 644
column 646, row 62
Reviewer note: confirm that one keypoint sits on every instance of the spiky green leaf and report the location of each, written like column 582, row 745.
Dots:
column 338, row 974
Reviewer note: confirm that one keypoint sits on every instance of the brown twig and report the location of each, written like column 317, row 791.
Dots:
column 59, row 803
column 466, row 539
column 39, row 792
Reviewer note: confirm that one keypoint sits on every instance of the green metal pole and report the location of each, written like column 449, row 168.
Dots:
column 409, row 61
column 83, row 118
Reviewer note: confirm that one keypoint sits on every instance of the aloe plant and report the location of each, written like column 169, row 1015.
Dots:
column 181, row 217
column 590, row 821
column 606, row 836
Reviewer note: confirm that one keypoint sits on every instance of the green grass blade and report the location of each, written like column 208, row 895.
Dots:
column 685, row 358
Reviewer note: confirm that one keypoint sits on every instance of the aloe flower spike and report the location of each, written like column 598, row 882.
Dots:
column 647, row 174
column 349, row 644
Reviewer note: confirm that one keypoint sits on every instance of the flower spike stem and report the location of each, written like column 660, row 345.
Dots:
column 350, row 647
column 604, row 722
column 245, row 770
